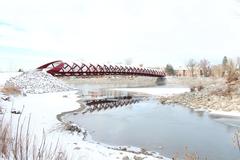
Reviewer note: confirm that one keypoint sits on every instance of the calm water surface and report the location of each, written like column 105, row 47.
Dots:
column 122, row 118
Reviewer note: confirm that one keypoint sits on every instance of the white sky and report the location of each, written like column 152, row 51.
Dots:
column 152, row 32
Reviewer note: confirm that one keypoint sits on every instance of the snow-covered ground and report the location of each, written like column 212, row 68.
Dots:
column 4, row 76
column 224, row 113
column 43, row 109
column 156, row 91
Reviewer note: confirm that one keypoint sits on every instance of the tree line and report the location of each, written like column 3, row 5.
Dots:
column 228, row 67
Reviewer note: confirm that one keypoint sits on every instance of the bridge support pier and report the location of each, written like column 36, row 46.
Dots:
column 161, row 81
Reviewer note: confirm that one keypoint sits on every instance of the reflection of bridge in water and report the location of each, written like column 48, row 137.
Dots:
column 60, row 68
column 109, row 103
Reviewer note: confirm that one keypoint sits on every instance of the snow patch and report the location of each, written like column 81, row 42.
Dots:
column 232, row 114
column 156, row 91
column 37, row 82
column 6, row 76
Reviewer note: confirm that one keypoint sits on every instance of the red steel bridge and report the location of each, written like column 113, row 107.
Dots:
column 60, row 68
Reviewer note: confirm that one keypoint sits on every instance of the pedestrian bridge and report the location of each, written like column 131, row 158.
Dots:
column 60, row 68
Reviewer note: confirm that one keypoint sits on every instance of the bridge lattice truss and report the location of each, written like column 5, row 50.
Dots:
column 60, row 68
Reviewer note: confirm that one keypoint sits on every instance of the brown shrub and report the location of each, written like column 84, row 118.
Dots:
column 232, row 76
column 11, row 90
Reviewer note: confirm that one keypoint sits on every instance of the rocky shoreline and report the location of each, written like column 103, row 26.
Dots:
column 208, row 94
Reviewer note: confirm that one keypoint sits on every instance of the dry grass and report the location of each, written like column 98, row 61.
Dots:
column 188, row 156
column 5, row 139
column 11, row 90
column 20, row 145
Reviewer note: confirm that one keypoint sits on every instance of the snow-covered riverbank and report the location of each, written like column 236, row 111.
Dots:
column 213, row 95
column 209, row 99
column 43, row 109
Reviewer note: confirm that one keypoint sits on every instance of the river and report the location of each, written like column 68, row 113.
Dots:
column 126, row 118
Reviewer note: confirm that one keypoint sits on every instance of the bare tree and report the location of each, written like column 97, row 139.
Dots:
column 191, row 64
column 204, row 65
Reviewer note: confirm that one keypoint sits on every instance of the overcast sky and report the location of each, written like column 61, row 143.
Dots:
column 152, row 32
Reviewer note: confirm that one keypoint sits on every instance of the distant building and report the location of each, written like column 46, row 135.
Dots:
column 184, row 71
